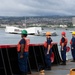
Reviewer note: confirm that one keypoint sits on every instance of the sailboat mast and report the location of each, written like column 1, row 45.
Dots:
column 25, row 22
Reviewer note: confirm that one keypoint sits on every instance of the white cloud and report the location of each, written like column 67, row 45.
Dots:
column 36, row 7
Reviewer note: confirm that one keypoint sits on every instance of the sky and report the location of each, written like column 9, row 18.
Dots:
column 37, row 7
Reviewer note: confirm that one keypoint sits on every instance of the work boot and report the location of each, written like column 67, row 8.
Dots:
column 73, row 61
column 63, row 63
column 48, row 68
column 28, row 72
column 23, row 73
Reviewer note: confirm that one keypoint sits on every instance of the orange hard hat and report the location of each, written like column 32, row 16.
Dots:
column 48, row 33
column 63, row 33
column 72, row 71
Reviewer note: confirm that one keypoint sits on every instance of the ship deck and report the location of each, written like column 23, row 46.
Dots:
column 58, row 69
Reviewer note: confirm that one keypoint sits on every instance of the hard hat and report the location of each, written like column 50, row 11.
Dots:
column 63, row 33
column 42, row 71
column 48, row 33
column 23, row 32
column 73, row 33
column 72, row 71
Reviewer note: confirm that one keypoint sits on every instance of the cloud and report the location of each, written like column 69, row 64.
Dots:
column 36, row 7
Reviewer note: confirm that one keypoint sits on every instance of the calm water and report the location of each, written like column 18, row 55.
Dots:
column 6, row 38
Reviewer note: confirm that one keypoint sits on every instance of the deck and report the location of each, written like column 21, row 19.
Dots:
column 58, row 69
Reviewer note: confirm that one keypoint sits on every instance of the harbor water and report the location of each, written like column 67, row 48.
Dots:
column 10, row 39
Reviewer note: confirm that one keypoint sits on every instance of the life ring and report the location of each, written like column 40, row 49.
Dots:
column 68, row 49
column 52, row 57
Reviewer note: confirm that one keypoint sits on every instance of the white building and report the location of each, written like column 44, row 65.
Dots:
column 63, row 26
column 73, row 21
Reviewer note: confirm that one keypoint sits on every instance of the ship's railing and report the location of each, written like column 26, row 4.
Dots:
column 36, row 60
